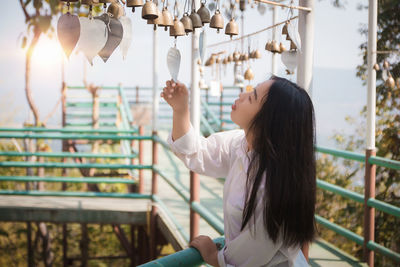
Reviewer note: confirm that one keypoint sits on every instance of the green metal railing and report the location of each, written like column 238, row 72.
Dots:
column 124, row 135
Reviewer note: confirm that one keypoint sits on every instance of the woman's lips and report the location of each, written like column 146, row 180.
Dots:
column 233, row 106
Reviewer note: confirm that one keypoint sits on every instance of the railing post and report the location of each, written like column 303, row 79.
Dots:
column 154, row 190
column 141, row 149
column 194, row 197
column 369, row 212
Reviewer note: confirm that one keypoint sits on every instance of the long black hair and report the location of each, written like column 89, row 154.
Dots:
column 283, row 139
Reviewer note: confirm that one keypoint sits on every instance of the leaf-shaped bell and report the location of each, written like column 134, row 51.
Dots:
column 249, row 74
column 217, row 21
column 196, row 20
column 156, row 21
column 167, row 20
column 187, row 23
column 232, row 28
column 133, row 4
column 149, row 10
column 89, row 2
column 177, row 29
column 204, row 14
column 116, row 9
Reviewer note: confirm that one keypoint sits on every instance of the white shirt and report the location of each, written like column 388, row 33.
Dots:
column 223, row 154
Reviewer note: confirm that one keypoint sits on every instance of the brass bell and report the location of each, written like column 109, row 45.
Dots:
column 232, row 28
column 284, row 28
column 376, row 67
column 257, row 54
column 292, row 46
column 105, row 1
column 281, row 48
column 116, row 9
column 156, row 21
column 89, row 2
column 149, row 10
column 218, row 60
column 204, row 14
column 230, row 58
column 274, row 47
column 210, row 61
column 249, row 74
column 217, row 21
column 236, row 56
column 251, row 54
column 177, row 29
column 268, row 46
column 288, row 38
column 167, row 18
column 132, row 3
column 187, row 23
column 225, row 61
column 196, row 20
column 244, row 57
column 390, row 82
column 386, row 64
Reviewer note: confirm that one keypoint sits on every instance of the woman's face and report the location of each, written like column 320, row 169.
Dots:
column 248, row 104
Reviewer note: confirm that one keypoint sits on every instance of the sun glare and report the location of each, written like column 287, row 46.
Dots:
column 47, row 53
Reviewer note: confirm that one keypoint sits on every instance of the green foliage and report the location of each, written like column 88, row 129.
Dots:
column 387, row 232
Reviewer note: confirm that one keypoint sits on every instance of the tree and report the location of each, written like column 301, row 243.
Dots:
column 387, row 231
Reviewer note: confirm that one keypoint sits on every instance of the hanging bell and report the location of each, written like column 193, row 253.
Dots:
column 204, row 14
column 167, row 20
column 230, row 58
column 70, row 0
column 156, row 21
column 236, row 56
column 104, row 1
column 274, row 47
column 281, row 48
column 251, row 54
column 376, row 67
column 149, row 10
column 288, row 38
column 187, row 23
column 386, row 65
column 257, row 54
column 196, row 20
column 390, row 82
column 132, row 3
column 284, row 28
column 218, row 60
column 177, row 29
column 225, row 61
column 268, row 46
column 116, row 10
column 89, row 2
column 232, row 28
column 293, row 46
column 249, row 74
column 217, row 21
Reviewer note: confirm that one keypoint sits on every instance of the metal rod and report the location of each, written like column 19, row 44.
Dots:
column 369, row 212
column 305, row 56
column 304, row 8
column 251, row 34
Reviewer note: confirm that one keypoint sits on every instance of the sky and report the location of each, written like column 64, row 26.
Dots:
column 336, row 91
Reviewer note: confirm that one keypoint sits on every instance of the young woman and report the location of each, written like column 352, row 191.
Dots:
column 269, row 166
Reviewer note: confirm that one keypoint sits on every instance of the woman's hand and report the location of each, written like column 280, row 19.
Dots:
column 176, row 95
column 207, row 249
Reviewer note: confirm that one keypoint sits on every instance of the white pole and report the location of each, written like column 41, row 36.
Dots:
column 155, row 82
column 274, row 33
column 305, row 57
column 371, row 82
column 195, row 90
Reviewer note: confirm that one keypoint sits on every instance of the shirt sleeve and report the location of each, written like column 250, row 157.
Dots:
column 252, row 247
column 207, row 156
